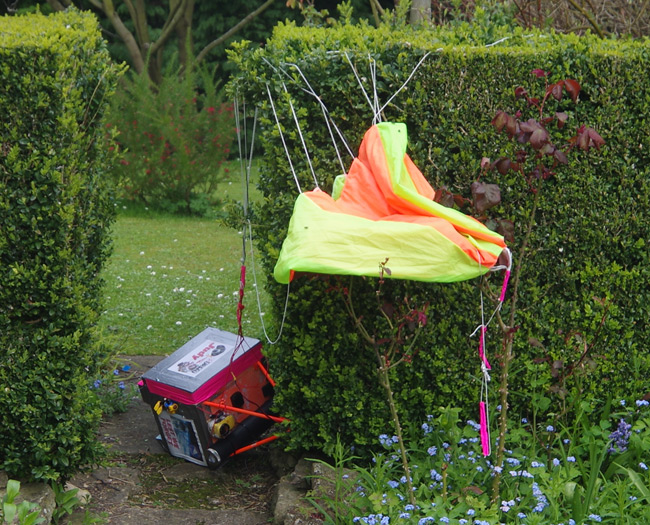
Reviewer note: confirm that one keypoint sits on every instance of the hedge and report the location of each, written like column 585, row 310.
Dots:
column 55, row 211
column 586, row 281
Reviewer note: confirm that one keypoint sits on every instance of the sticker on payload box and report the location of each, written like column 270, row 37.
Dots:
column 201, row 357
column 181, row 437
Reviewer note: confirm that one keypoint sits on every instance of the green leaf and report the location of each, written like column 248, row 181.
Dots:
column 9, row 510
column 13, row 489
column 638, row 483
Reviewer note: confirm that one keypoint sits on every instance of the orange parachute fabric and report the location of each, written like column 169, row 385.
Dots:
column 385, row 210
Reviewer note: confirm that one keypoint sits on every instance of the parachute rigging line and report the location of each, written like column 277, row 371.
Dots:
column 244, row 175
column 302, row 139
column 485, row 378
column 328, row 119
column 329, row 122
column 245, row 171
column 374, row 104
column 482, row 351
column 286, row 150
column 417, row 66
column 363, row 90
column 375, row 95
column 506, row 276
column 257, row 294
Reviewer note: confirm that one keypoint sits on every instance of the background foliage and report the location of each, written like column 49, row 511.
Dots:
column 172, row 138
column 55, row 211
column 584, row 292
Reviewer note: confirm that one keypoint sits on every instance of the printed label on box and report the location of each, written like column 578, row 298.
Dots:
column 181, row 437
column 201, row 357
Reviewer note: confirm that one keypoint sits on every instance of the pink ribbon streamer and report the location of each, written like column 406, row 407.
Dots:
column 485, row 435
column 481, row 350
column 505, row 285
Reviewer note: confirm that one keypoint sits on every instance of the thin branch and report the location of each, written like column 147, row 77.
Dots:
column 169, row 29
column 243, row 22
column 589, row 18
column 136, row 23
column 109, row 8
column 377, row 10
column 347, row 301
column 640, row 12
column 508, row 339
column 56, row 5
column 129, row 40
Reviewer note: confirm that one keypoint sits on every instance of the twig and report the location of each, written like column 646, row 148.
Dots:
column 119, row 479
column 589, row 18
column 508, row 356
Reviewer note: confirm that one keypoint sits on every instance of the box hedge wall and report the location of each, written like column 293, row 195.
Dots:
column 586, row 279
column 55, row 212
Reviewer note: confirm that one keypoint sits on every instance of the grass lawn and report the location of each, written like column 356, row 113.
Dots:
column 170, row 277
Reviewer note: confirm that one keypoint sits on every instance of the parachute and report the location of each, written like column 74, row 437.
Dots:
column 384, row 214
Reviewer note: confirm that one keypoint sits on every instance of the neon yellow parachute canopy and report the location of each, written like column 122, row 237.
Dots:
column 385, row 210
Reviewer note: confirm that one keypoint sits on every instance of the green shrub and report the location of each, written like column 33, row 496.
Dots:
column 585, row 287
column 55, row 211
column 173, row 139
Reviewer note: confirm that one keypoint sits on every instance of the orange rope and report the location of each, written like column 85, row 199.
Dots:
column 266, row 373
column 223, row 406
column 256, row 444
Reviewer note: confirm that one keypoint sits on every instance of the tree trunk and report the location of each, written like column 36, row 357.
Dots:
column 184, row 35
column 141, row 48
column 106, row 6
column 135, row 52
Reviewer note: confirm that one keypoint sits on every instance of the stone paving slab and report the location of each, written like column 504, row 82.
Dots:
column 133, row 433
column 149, row 516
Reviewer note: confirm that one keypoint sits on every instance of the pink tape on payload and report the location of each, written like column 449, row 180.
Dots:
column 212, row 385
column 505, row 285
column 481, row 349
column 485, row 436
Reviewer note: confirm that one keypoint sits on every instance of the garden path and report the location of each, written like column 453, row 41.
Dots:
column 141, row 484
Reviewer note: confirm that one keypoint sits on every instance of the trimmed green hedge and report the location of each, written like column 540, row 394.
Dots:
column 55, row 212
column 587, row 277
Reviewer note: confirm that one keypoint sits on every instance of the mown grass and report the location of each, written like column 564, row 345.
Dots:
column 170, row 277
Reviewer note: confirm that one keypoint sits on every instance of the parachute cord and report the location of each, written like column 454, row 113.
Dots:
column 248, row 232
column 239, row 144
column 485, row 365
column 302, row 139
column 485, row 379
column 245, row 180
column 374, row 106
column 257, row 293
column 372, row 64
column 328, row 118
column 417, row 66
column 506, row 277
column 336, row 148
column 286, row 149
column 326, row 115
column 356, row 75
